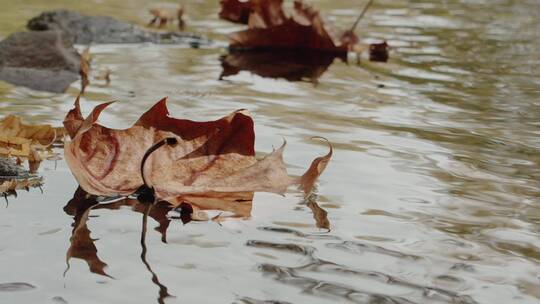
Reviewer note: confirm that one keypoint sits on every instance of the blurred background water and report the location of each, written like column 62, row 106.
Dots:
column 433, row 194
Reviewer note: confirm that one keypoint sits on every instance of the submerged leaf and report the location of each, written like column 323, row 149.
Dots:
column 209, row 157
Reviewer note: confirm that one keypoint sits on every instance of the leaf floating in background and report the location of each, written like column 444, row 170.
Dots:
column 162, row 16
column 209, row 157
column 271, row 28
column 289, row 64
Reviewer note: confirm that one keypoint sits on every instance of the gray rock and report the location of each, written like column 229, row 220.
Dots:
column 8, row 168
column 83, row 29
column 39, row 60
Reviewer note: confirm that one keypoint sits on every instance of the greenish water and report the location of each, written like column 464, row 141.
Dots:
column 433, row 195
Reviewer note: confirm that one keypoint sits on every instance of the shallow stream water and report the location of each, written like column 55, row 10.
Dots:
column 433, row 194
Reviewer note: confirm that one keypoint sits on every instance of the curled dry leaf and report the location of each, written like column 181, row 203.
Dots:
column 270, row 27
column 32, row 142
column 162, row 16
column 210, row 158
column 307, row 181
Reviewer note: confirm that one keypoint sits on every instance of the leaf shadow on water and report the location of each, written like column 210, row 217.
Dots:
column 292, row 65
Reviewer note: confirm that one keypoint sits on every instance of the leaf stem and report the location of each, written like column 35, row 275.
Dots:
column 170, row 141
column 146, row 193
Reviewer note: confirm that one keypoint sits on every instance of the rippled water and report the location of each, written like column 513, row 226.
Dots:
column 433, row 195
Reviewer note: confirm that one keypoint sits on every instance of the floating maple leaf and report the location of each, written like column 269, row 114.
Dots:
column 213, row 157
column 271, row 28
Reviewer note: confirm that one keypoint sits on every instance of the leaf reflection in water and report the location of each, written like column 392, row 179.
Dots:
column 9, row 186
column 163, row 291
column 192, row 207
column 82, row 245
column 288, row 64
column 319, row 215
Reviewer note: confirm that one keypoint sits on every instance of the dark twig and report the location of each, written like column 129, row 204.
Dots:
column 355, row 24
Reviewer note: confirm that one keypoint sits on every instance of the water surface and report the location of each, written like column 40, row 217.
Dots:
column 433, row 194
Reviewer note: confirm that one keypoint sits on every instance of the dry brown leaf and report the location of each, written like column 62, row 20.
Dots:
column 209, row 157
column 27, row 141
column 270, row 27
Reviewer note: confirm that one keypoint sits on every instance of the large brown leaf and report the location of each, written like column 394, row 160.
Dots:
column 270, row 27
column 210, row 157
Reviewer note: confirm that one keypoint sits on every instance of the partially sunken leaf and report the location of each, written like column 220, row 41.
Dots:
column 209, row 157
column 271, row 28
